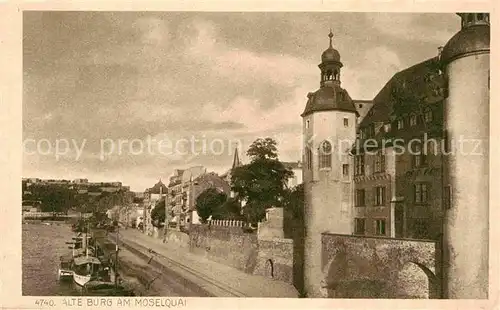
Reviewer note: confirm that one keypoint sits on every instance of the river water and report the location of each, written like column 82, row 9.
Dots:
column 42, row 247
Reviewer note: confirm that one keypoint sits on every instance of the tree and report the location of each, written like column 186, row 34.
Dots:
column 294, row 203
column 158, row 213
column 263, row 149
column 208, row 203
column 228, row 210
column 262, row 182
column 54, row 198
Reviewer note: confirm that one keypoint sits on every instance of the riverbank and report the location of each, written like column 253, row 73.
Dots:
column 146, row 277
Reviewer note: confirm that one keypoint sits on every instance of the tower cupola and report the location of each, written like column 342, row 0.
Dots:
column 330, row 65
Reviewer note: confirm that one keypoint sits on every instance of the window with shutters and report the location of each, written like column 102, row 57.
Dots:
column 380, row 162
column 379, row 195
column 360, row 198
column 380, row 227
column 360, row 164
column 421, row 193
column 359, row 226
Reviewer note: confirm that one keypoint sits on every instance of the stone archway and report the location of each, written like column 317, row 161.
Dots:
column 351, row 280
column 269, row 271
column 415, row 281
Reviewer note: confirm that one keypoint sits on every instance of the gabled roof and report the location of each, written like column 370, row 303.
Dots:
column 158, row 187
column 413, row 80
column 236, row 159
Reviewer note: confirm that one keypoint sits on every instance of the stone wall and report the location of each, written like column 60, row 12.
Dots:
column 271, row 257
column 376, row 267
column 226, row 245
column 272, row 226
column 179, row 238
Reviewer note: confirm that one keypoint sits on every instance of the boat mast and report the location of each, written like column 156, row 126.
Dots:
column 87, row 240
column 116, row 255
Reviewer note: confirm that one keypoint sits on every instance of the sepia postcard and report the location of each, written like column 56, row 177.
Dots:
column 249, row 155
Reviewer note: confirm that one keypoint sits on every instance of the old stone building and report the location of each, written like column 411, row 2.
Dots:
column 398, row 157
column 151, row 197
column 178, row 199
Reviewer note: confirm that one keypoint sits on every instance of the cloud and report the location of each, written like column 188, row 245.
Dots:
column 243, row 65
column 411, row 27
column 212, row 76
column 154, row 31
column 365, row 78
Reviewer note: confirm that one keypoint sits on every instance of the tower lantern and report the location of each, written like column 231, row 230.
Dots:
column 330, row 65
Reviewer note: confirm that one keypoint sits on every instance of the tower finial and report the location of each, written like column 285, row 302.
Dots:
column 330, row 35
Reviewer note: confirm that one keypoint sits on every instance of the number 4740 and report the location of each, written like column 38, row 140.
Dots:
column 45, row 303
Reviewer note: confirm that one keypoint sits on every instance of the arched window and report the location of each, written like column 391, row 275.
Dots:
column 480, row 16
column 469, row 18
column 325, row 155
column 308, row 158
column 329, row 75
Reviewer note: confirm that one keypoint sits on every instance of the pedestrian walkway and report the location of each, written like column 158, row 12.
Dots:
column 238, row 282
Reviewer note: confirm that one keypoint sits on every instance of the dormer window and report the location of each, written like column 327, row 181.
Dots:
column 400, row 124
column 372, row 130
column 428, row 116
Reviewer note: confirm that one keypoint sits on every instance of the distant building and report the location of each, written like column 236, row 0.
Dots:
column 151, row 197
column 31, row 206
column 198, row 186
column 80, row 181
column 296, row 168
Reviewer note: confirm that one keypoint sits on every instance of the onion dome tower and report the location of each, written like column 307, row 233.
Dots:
column 329, row 121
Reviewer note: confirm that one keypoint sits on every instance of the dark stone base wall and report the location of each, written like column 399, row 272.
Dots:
column 244, row 251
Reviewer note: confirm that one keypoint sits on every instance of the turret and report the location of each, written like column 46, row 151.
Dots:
column 329, row 129
column 466, row 63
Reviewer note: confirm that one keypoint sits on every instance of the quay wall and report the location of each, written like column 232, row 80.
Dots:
column 226, row 245
column 245, row 251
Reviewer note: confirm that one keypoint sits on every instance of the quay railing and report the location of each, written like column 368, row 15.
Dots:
column 226, row 223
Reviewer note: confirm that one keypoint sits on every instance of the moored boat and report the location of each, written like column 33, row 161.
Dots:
column 84, row 267
column 65, row 272
column 105, row 288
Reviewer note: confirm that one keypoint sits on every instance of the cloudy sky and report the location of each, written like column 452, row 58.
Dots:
column 136, row 95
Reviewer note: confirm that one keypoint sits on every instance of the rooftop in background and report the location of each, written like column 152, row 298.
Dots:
column 158, row 188
column 293, row 165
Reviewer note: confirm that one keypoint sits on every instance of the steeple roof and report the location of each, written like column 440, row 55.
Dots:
column 236, row 159
column 330, row 54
